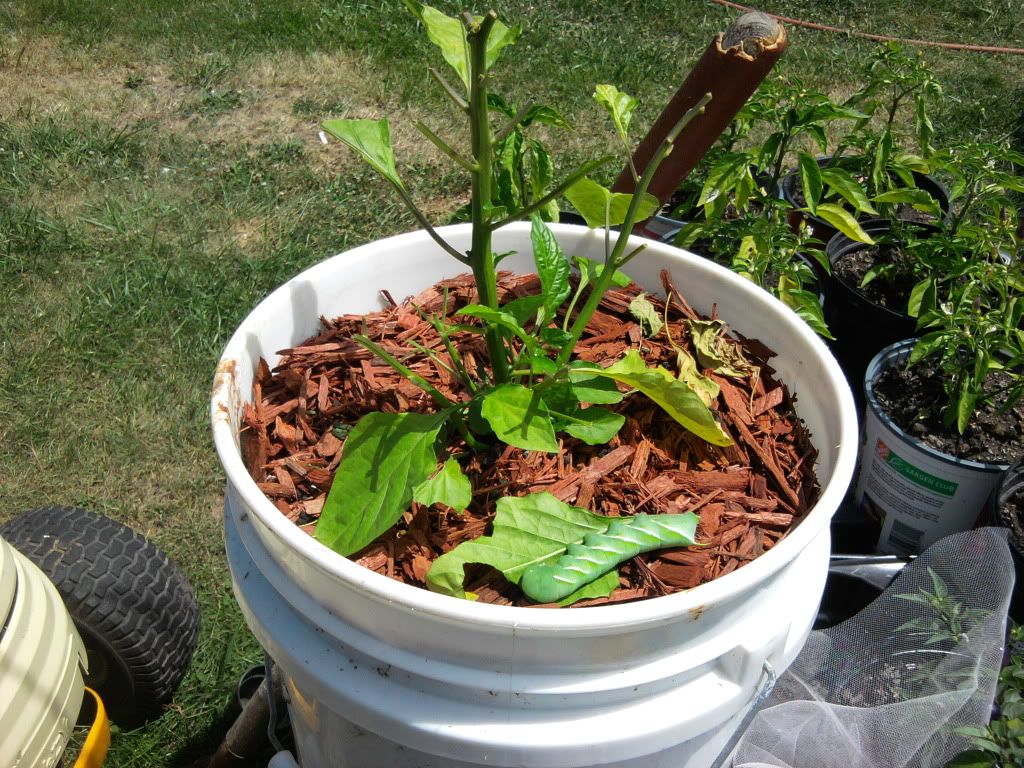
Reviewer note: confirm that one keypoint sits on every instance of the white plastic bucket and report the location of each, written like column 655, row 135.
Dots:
column 914, row 493
column 385, row 675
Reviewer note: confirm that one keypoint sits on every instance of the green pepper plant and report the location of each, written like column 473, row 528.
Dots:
column 532, row 389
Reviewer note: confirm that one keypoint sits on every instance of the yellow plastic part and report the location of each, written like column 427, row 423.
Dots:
column 94, row 750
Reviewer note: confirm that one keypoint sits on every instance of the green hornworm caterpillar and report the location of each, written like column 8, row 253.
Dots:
column 600, row 552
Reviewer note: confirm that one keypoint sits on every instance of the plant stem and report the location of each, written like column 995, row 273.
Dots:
column 441, row 144
column 481, row 256
column 428, row 227
column 614, row 260
column 450, row 92
column 415, row 378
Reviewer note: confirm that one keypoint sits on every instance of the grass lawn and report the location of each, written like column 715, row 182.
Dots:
column 160, row 172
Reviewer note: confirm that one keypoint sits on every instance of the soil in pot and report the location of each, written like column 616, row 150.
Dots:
column 1010, row 514
column 851, row 267
column 747, row 495
column 913, row 398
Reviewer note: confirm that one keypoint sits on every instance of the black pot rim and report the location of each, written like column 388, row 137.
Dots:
column 894, row 354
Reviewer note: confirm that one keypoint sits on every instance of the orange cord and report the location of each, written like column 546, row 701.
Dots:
column 881, row 38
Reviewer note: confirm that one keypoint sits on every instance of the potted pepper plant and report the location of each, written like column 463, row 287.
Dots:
column 943, row 421
column 879, row 287
column 548, row 433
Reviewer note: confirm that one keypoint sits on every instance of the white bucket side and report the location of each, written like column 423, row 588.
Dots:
column 393, row 622
column 508, row 715
column 915, row 494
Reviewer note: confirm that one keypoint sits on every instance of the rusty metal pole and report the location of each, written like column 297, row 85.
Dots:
column 730, row 70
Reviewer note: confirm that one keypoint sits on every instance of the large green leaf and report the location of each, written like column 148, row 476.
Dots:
column 449, row 487
column 842, row 220
column 674, row 396
column 595, row 426
column 385, row 457
column 916, row 198
column 591, row 388
column 552, row 266
column 600, row 207
column 526, row 530
column 619, row 105
column 810, row 179
column 371, row 140
column 519, row 417
column 843, row 183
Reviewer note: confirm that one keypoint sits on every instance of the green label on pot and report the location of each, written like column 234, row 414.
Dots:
column 916, row 496
column 914, row 474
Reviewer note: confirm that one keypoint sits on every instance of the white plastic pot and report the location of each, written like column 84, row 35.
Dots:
column 41, row 663
column 914, row 493
column 384, row 675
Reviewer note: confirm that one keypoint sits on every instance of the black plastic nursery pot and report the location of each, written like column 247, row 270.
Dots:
column 911, row 493
column 1006, row 513
column 861, row 326
column 824, row 231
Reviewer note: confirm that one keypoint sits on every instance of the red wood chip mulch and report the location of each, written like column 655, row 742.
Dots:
column 747, row 495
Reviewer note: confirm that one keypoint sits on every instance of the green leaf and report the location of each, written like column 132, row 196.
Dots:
column 595, row 426
column 554, row 337
column 601, row 587
column 371, row 140
column 646, row 314
column 552, row 266
column 519, row 417
column 385, row 457
column 524, row 309
column 501, row 37
column 449, row 487
column 846, row 186
column 917, row 198
column 449, row 35
column 590, row 270
column 499, row 318
column 973, row 758
column 722, row 177
column 600, row 207
column 810, row 178
column 601, row 551
column 591, row 388
column 544, row 116
column 926, row 346
column 966, row 401
column 526, row 530
column 923, row 297
column 716, row 352
column 675, row 397
column 619, row 105
column 842, row 220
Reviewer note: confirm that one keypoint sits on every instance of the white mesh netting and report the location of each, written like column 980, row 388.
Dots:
column 889, row 687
